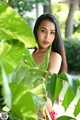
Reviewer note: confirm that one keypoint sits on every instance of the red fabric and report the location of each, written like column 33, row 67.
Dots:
column 53, row 114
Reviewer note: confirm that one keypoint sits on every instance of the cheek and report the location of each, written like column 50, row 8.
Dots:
column 39, row 36
column 52, row 38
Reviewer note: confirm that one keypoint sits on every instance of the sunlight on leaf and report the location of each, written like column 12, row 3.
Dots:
column 12, row 26
column 4, row 48
column 9, row 57
column 7, row 92
column 28, row 59
column 22, row 102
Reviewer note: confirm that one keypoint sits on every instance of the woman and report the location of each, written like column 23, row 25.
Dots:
column 47, row 33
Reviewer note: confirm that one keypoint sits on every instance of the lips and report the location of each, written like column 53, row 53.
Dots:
column 45, row 42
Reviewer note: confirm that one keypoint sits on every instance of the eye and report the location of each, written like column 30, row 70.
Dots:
column 42, row 30
column 52, row 32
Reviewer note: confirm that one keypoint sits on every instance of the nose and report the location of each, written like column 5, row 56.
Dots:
column 47, row 36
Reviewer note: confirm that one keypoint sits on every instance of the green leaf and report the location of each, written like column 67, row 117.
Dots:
column 4, row 48
column 23, row 105
column 69, row 96
column 73, row 82
column 45, row 63
column 12, row 26
column 77, row 108
column 65, row 118
column 40, row 72
column 6, row 89
column 50, row 82
column 58, row 88
column 53, row 86
column 1, row 97
column 28, row 59
column 9, row 57
column 30, row 77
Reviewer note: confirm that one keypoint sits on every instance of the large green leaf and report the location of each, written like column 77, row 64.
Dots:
column 6, row 89
column 65, row 118
column 12, row 26
column 15, row 35
column 30, row 77
column 28, row 59
column 27, row 92
column 11, row 55
column 4, row 48
column 73, row 82
column 71, row 92
column 77, row 108
column 58, row 88
column 23, row 106
column 69, row 96
column 53, row 85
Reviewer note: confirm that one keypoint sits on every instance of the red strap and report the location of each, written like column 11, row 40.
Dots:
column 53, row 114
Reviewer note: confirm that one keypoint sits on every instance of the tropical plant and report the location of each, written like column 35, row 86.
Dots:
column 22, row 86
column 24, row 6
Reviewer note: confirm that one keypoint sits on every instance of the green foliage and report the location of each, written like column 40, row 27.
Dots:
column 6, row 88
column 15, row 34
column 14, row 27
column 30, row 62
column 76, row 23
column 77, row 108
column 24, row 6
column 28, row 87
column 22, row 86
column 5, row 1
column 53, row 86
column 23, row 106
column 66, row 118
column 68, row 98
column 61, row 10
column 72, row 47
column 27, row 92
column 45, row 63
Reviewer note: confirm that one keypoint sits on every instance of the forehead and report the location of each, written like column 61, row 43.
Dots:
column 47, row 24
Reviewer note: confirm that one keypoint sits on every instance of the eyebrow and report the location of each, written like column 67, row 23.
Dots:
column 46, row 29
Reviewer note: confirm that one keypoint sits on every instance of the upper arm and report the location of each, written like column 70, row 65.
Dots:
column 55, row 62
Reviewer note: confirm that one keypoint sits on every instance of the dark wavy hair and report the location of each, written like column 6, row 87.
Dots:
column 57, row 45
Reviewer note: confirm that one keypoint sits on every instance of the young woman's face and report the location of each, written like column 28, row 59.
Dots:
column 46, row 34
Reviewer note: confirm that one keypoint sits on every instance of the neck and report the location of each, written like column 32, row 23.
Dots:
column 41, row 50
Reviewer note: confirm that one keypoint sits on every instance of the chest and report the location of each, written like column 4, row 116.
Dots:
column 38, row 58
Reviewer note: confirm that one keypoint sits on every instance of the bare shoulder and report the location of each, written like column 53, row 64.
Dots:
column 55, row 55
column 55, row 62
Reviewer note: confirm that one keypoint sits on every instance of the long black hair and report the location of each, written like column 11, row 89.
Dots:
column 57, row 45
